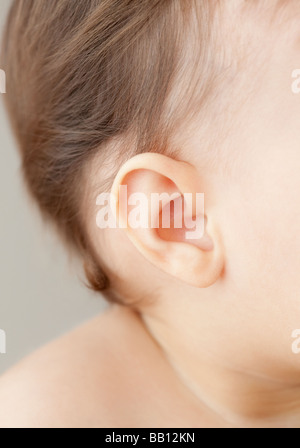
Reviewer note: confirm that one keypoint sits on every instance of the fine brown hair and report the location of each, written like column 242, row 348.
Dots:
column 83, row 73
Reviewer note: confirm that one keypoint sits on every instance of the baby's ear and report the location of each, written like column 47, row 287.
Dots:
column 160, row 203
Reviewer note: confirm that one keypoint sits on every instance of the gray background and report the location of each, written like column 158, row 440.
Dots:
column 41, row 295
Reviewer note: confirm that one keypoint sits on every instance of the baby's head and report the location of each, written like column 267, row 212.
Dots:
column 170, row 96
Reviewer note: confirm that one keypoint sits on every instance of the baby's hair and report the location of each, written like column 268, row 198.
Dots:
column 84, row 74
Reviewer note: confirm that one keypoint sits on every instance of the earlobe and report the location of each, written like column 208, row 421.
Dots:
column 163, row 216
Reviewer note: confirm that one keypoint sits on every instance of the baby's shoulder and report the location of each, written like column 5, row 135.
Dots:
column 84, row 374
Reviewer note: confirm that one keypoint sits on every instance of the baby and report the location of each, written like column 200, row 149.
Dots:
column 171, row 99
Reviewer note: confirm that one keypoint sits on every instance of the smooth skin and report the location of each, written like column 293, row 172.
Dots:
column 108, row 373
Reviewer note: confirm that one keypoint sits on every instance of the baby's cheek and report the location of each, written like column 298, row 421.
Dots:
column 271, row 231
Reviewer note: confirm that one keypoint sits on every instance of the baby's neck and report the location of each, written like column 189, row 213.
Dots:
column 241, row 399
column 263, row 396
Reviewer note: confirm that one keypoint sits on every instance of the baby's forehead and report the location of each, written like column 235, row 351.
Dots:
column 252, row 51
column 248, row 34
